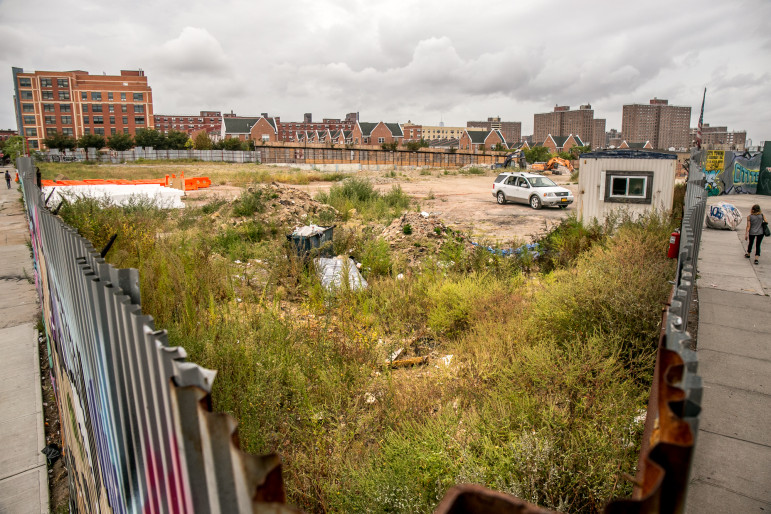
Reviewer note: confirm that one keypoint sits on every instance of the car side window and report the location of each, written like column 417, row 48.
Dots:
column 511, row 180
column 523, row 182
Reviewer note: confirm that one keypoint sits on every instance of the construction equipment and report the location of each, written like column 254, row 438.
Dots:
column 514, row 158
column 554, row 164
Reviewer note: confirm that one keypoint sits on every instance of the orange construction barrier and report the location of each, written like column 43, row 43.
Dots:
column 191, row 184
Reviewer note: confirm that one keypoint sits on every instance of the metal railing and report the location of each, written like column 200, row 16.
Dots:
column 136, row 420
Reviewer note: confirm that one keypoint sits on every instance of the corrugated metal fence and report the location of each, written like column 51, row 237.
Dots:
column 135, row 417
column 136, row 420
column 287, row 154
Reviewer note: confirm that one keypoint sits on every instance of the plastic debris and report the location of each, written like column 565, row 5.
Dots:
column 332, row 270
column 52, row 453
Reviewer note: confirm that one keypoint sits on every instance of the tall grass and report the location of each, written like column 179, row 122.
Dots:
column 370, row 204
column 542, row 396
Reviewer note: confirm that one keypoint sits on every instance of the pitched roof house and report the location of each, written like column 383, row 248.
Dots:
column 475, row 139
column 365, row 133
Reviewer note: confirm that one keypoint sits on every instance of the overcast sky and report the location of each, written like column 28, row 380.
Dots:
column 399, row 60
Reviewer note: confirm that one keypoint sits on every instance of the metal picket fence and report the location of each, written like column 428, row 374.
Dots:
column 136, row 424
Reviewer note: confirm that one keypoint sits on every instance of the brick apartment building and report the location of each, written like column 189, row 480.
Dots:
column 719, row 138
column 412, row 131
column 563, row 122
column 665, row 126
column 75, row 103
column 511, row 130
column 208, row 121
column 7, row 133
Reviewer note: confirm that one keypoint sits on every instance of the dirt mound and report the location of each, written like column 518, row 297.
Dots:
column 288, row 206
column 416, row 235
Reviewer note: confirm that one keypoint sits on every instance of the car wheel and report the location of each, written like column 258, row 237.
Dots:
column 501, row 198
column 563, row 206
column 535, row 202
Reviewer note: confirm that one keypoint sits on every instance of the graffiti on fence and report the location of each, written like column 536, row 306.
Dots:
column 731, row 173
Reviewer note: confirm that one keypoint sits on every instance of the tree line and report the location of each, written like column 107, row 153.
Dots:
column 172, row 140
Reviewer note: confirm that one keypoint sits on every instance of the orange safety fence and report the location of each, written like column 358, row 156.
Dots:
column 191, row 184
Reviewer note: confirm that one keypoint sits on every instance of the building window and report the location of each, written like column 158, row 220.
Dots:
column 85, row 120
column 33, row 143
column 26, row 95
column 66, row 131
column 62, row 82
column 29, row 120
column 51, row 131
column 83, row 96
column 110, row 96
column 30, row 132
column 25, row 82
column 123, row 97
column 99, row 131
column 96, row 108
column 46, row 83
column 50, row 120
column 112, row 131
column 125, row 130
column 628, row 186
column 112, row 120
column 67, row 120
column 64, row 95
column 31, row 107
column 125, row 120
column 139, row 108
column 65, row 108
column 86, row 130
column 85, row 107
column 99, row 120
column 139, row 120
column 381, row 140
column 96, row 96
column 124, row 108
column 138, row 97
column 265, row 138
column 47, row 95
column 111, row 108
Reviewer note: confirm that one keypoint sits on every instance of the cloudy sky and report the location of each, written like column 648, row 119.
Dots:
column 399, row 60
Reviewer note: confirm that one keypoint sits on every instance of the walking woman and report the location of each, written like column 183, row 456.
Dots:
column 754, row 233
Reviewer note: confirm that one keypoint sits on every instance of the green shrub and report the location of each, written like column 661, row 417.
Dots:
column 249, row 203
column 407, row 229
column 376, row 257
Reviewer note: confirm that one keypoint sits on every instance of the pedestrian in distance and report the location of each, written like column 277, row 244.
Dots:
column 8, row 179
column 754, row 233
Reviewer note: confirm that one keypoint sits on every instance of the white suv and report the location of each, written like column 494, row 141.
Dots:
column 530, row 188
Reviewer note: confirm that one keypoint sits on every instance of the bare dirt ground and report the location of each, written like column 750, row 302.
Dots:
column 462, row 202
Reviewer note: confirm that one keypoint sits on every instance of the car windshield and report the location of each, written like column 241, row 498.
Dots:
column 541, row 182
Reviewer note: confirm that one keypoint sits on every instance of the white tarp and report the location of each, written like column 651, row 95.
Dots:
column 162, row 197
column 723, row 216
column 331, row 273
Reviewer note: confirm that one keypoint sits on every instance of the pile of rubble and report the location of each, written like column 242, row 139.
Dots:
column 291, row 207
column 416, row 235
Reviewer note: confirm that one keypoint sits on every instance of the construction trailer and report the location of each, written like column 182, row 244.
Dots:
column 632, row 181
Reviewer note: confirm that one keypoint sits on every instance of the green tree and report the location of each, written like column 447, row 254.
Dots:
column 390, row 146
column 565, row 155
column 150, row 137
column 176, row 140
column 120, row 142
column 576, row 151
column 231, row 143
column 499, row 147
column 414, row 146
column 60, row 142
column 14, row 147
column 202, row 141
column 91, row 141
column 537, row 154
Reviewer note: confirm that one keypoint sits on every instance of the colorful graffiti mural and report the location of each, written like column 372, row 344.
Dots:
column 731, row 173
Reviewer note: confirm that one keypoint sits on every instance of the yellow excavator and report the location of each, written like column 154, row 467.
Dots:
column 553, row 165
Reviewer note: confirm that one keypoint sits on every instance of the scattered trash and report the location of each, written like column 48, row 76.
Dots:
column 533, row 249
column 400, row 276
column 369, row 398
column 395, row 355
column 724, row 216
column 52, row 453
column 424, row 214
column 446, row 360
column 410, row 362
column 331, row 272
column 309, row 237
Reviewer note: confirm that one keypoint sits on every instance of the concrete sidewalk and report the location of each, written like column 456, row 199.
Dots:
column 732, row 463
column 23, row 471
